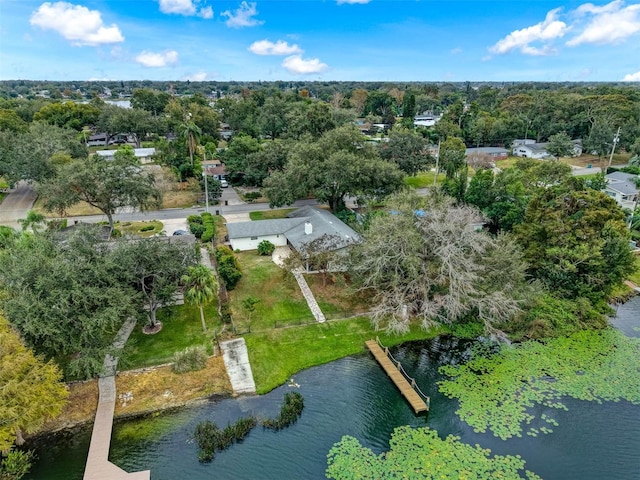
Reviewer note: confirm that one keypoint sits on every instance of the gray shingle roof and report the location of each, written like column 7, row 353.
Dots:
column 622, row 182
column 262, row 227
column 487, row 150
column 322, row 222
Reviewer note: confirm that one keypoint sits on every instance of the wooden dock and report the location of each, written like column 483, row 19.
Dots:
column 394, row 372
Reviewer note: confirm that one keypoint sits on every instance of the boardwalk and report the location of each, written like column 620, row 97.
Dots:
column 98, row 466
column 393, row 370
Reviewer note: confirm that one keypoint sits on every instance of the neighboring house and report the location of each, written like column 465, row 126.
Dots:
column 496, row 153
column 303, row 226
column 623, row 189
column 144, row 155
column 426, row 120
column 530, row 149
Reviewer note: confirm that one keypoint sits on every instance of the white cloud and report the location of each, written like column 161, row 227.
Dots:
column 242, row 16
column 151, row 59
column 609, row 24
column 185, row 7
column 456, row 51
column 206, row 12
column 632, row 77
column 362, row 2
column 545, row 31
column 76, row 23
column 195, row 77
column 266, row 47
column 299, row 66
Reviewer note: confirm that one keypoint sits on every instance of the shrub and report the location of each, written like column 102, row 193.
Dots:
column 190, row 360
column 210, row 438
column 210, row 227
column 15, row 464
column 147, row 228
column 115, row 233
column 289, row 413
column 265, row 247
column 197, row 229
column 252, row 196
column 228, row 267
column 194, row 219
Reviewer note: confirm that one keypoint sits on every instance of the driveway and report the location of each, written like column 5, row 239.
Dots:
column 173, row 224
column 16, row 205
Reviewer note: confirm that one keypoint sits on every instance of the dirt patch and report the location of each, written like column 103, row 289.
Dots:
column 143, row 391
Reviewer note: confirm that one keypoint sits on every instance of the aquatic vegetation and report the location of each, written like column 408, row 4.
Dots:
column 496, row 392
column 289, row 413
column 420, row 453
column 210, row 438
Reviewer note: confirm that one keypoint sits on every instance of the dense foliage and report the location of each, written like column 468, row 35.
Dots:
column 228, row 267
column 496, row 393
column 420, row 453
column 31, row 393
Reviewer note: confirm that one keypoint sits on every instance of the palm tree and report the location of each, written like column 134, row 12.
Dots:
column 34, row 220
column 190, row 131
column 200, row 288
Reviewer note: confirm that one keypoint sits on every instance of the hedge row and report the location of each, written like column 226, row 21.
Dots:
column 209, row 227
column 228, row 267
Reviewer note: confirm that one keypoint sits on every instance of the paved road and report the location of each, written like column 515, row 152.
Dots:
column 16, row 205
column 181, row 213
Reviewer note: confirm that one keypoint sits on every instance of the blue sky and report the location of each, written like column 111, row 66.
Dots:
column 387, row 40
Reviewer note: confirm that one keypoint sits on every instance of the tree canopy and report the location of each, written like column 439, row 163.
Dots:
column 430, row 261
column 105, row 184
column 340, row 163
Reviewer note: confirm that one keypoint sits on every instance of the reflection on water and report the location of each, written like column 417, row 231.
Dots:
column 354, row 397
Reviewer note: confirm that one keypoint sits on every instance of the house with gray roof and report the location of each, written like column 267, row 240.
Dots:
column 302, row 226
column 530, row 149
column 623, row 189
column 144, row 155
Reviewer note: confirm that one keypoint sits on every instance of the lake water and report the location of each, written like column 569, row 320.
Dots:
column 354, row 397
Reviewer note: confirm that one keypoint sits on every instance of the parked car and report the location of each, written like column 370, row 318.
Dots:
column 224, row 183
column 180, row 232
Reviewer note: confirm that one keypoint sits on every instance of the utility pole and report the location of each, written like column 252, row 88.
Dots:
column 435, row 175
column 206, row 185
column 616, row 139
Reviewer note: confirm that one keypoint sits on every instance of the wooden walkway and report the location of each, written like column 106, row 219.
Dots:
column 399, row 377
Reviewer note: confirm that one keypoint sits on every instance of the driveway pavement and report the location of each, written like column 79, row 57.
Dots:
column 16, row 205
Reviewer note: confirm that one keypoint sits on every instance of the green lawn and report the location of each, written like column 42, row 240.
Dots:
column 181, row 328
column 278, row 354
column 270, row 214
column 423, row 180
column 507, row 162
column 635, row 276
column 2, row 195
column 280, row 298
column 136, row 228
column 336, row 298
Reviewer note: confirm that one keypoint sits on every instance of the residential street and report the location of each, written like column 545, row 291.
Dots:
column 16, row 205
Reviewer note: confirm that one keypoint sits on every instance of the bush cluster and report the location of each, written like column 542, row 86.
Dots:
column 251, row 197
column 195, row 225
column 289, row 413
column 147, row 228
column 265, row 247
column 228, row 266
column 190, row 360
column 210, row 227
column 210, row 438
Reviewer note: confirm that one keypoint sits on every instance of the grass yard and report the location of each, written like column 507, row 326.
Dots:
column 280, row 298
column 270, row 214
column 180, row 198
column 2, row 195
column 635, row 276
column 423, row 180
column 278, row 354
column 507, row 162
column 140, row 229
column 336, row 299
column 181, row 328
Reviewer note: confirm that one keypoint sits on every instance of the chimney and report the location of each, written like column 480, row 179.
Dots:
column 308, row 228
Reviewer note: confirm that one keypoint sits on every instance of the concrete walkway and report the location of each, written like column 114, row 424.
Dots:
column 236, row 361
column 98, row 466
column 278, row 257
column 308, row 296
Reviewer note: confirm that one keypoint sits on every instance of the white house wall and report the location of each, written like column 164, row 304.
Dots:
column 251, row 243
